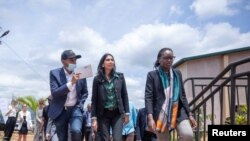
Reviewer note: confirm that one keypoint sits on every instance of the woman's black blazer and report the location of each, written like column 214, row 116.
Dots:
column 155, row 97
column 99, row 95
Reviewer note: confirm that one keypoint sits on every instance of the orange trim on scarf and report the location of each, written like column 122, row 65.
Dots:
column 174, row 115
column 159, row 126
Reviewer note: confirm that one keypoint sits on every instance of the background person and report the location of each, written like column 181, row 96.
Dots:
column 51, row 131
column 25, row 123
column 142, row 132
column 11, row 121
column 128, row 131
column 38, row 135
column 87, row 124
column 45, row 118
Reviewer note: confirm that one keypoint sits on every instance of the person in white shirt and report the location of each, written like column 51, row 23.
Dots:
column 25, row 123
column 88, row 133
column 11, row 121
column 39, row 117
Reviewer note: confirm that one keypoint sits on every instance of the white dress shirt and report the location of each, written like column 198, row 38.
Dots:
column 71, row 96
column 12, row 112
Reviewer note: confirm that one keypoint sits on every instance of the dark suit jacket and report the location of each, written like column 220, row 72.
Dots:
column 99, row 95
column 59, row 91
column 141, row 123
column 155, row 97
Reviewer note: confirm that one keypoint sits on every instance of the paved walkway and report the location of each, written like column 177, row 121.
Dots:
column 15, row 136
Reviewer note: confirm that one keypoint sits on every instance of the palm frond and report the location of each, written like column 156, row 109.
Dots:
column 30, row 101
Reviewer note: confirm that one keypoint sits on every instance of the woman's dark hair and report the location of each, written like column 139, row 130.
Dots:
column 157, row 63
column 100, row 69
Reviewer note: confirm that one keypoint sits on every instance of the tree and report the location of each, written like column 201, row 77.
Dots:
column 30, row 101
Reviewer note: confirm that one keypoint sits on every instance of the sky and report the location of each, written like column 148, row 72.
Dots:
column 132, row 30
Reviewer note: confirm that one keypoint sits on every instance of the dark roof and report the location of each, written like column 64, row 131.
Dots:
column 210, row 55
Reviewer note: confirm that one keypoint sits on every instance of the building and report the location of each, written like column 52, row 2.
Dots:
column 204, row 68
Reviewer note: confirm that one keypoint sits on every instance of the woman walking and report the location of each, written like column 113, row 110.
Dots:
column 25, row 124
column 165, row 100
column 39, row 117
column 110, row 107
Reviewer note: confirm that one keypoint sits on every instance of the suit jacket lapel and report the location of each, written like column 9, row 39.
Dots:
column 77, row 88
column 63, row 78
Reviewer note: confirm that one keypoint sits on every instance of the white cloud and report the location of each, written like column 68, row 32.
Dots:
column 137, row 96
column 53, row 3
column 143, row 43
column 114, row 18
column 134, row 53
column 21, row 86
column 175, row 10
column 247, row 7
column 205, row 9
column 81, row 35
column 223, row 36
column 132, row 82
column 7, row 79
column 126, row 30
column 219, row 35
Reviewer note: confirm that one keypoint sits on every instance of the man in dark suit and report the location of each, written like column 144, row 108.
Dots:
column 69, row 93
column 142, row 132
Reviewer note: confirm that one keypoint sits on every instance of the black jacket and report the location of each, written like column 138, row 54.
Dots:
column 99, row 95
column 155, row 97
column 141, row 123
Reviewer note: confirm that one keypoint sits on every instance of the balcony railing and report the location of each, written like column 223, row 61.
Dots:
column 213, row 97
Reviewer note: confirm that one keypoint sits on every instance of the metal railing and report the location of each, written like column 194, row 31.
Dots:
column 211, row 95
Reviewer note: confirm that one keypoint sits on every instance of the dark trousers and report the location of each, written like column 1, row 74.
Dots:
column 9, row 128
column 87, row 133
column 111, row 119
column 97, row 137
column 73, row 117
column 149, row 136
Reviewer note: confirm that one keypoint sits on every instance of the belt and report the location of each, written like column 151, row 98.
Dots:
column 68, row 107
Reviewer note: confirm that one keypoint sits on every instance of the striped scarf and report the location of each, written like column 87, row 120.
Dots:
column 168, row 114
